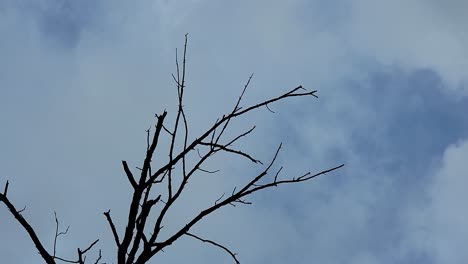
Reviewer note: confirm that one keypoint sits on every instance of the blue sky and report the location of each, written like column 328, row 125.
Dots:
column 81, row 80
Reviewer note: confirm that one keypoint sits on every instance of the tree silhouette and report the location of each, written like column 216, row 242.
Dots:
column 141, row 239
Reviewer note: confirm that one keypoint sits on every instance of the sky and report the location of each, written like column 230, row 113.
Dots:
column 80, row 82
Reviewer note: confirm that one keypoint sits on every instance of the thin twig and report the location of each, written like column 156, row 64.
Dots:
column 90, row 246
column 269, row 109
column 239, row 152
column 5, row 191
column 57, row 233
column 233, row 255
column 207, row 171
column 98, row 258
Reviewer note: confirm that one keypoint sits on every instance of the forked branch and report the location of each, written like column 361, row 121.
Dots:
column 26, row 226
column 46, row 256
column 212, row 142
column 155, row 192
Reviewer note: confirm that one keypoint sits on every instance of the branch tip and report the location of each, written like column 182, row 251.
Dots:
column 5, row 191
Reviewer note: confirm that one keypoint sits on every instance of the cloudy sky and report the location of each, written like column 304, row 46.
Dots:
column 80, row 81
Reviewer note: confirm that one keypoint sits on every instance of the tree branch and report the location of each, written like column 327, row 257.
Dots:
column 81, row 257
column 57, row 233
column 129, row 174
column 235, row 197
column 223, row 120
column 233, row 255
column 138, row 247
column 29, row 229
column 138, row 192
column 5, row 191
column 112, row 226
column 239, row 152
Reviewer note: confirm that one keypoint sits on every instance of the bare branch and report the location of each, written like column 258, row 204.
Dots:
column 201, row 215
column 167, row 130
column 98, row 258
column 240, row 136
column 138, row 192
column 138, row 246
column 277, row 173
column 292, row 93
column 225, row 119
column 233, row 255
column 22, row 210
column 141, row 222
column 198, row 152
column 5, row 191
column 29, row 229
column 90, row 246
column 162, row 214
column 173, row 77
column 129, row 174
column 180, row 113
column 269, row 109
column 163, row 126
column 305, row 177
column 112, row 226
column 217, row 200
column 239, row 152
column 57, row 233
column 234, row 110
column 263, row 173
column 81, row 253
column 207, row 171
column 235, row 197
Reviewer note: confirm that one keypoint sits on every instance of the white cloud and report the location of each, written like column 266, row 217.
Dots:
column 448, row 208
column 438, row 226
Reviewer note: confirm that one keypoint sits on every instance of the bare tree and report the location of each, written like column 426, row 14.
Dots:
column 141, row 239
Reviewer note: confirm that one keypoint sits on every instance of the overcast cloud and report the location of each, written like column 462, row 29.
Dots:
column 80, row 82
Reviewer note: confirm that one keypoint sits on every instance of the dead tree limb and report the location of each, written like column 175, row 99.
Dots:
column 155, row 192
column 26, row 226
column 206, row 145
column 46, row 256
